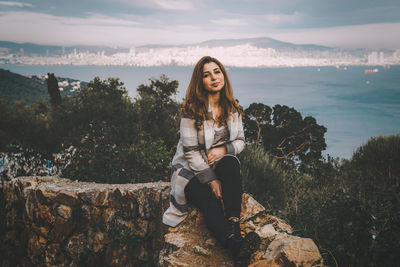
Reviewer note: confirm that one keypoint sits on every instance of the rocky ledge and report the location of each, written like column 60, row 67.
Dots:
column 50, row 221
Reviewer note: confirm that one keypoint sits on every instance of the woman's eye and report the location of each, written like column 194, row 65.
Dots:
column 205, row 76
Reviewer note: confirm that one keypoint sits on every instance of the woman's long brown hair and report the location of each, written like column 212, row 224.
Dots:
column 196, row 100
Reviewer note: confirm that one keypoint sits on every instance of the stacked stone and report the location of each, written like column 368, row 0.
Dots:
column 58, row 222
column 50, row 221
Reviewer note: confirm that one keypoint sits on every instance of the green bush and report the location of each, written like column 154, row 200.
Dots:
column 147, row 161
column 351, row 209
column 263, row 177
column 24, row 124
column 373, row 178
column 113, row 146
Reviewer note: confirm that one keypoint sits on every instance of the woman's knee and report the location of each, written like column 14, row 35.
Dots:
column 229, row 164
column 201, row 196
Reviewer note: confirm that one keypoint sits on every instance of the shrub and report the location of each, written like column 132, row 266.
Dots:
column 263, row 177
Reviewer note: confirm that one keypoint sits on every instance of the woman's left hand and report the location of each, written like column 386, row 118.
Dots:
column 215, row 153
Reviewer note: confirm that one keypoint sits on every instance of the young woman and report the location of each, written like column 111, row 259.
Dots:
column 205, row 170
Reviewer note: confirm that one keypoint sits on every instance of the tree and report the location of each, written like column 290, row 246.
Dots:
column 5, row 136
column 258, row 117
column 285, row 134
column 373, row 178
column 102, row 105
column 24, row 125
column 103, row 124
column 158, row 111
column 53, row 90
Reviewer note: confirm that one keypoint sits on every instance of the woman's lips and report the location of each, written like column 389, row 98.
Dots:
column 215, row 84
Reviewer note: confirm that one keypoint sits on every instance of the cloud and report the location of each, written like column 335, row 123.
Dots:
column 379, row 35
column 98, row 20
column 229, row 22
column 38, row 19
column 17, row 4
column 163, row 27
column 179, row 5
column 97, row 30
column 175, row 4
column 283, row 18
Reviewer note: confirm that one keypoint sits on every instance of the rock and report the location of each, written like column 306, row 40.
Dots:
column 76, row 246
column 64, row 211
column 44, row 196
column 54, row 256
column 210, row 242
column 293, row 251
column 267, row 232
column 190, row 243
column 250, row 208
column 61, row 230
column 201, row 251
column 98, row 241
column 51, row 221
column 36, row 244
column 265, row 263
column 185, row 245
column 67, row 198
column 302, row 252
column 279, row 224
column 46, row 215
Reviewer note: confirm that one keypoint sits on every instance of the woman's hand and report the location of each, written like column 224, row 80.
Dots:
column 215, row 153
column 216, row 188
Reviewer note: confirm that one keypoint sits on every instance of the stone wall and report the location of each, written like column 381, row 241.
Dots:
column 50, row 221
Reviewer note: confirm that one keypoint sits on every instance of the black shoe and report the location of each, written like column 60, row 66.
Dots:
column 235, row 226
column 250, row 244
column 242, row 248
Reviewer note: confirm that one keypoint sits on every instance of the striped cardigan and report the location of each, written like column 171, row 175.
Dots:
column 191, row 160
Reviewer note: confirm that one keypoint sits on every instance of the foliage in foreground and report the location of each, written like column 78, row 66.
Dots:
column 350, row 209
column 285, row 134
column 113, row 136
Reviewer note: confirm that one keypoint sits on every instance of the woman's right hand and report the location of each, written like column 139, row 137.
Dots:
column 216, row 188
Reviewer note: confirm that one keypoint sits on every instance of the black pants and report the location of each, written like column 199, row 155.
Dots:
column 215, row 213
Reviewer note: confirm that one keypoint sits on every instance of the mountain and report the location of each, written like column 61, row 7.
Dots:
column 15, row 87
column 260, row 42
column 30, row 49
column 263, row 42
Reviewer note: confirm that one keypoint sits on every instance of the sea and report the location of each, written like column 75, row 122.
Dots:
column 352, row 105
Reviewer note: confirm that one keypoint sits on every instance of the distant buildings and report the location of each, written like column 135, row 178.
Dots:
column 244, row 55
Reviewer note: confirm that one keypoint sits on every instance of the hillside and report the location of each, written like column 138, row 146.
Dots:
column 30, row 49
column 15, row 87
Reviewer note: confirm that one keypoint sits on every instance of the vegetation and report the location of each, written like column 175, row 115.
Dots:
column 53, row 90
column 158, row 111
column 105, row 127
column 284, row 134
column 15, row 87
column 350, row 208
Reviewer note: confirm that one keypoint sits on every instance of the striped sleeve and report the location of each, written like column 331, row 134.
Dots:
column 236, row 146
column 191, row 149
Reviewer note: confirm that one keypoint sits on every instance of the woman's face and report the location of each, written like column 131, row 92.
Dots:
column 213, row 78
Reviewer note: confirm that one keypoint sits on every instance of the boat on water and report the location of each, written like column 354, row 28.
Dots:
column 371, row 71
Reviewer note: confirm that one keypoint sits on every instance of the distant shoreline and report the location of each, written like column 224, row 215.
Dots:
column 228, row 66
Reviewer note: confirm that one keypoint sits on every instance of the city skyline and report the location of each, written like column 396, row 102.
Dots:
column 123, row 23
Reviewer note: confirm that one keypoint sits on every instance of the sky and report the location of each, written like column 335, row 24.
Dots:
column 127, row 23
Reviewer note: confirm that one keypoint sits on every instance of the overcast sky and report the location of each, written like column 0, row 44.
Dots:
column 125, row 23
